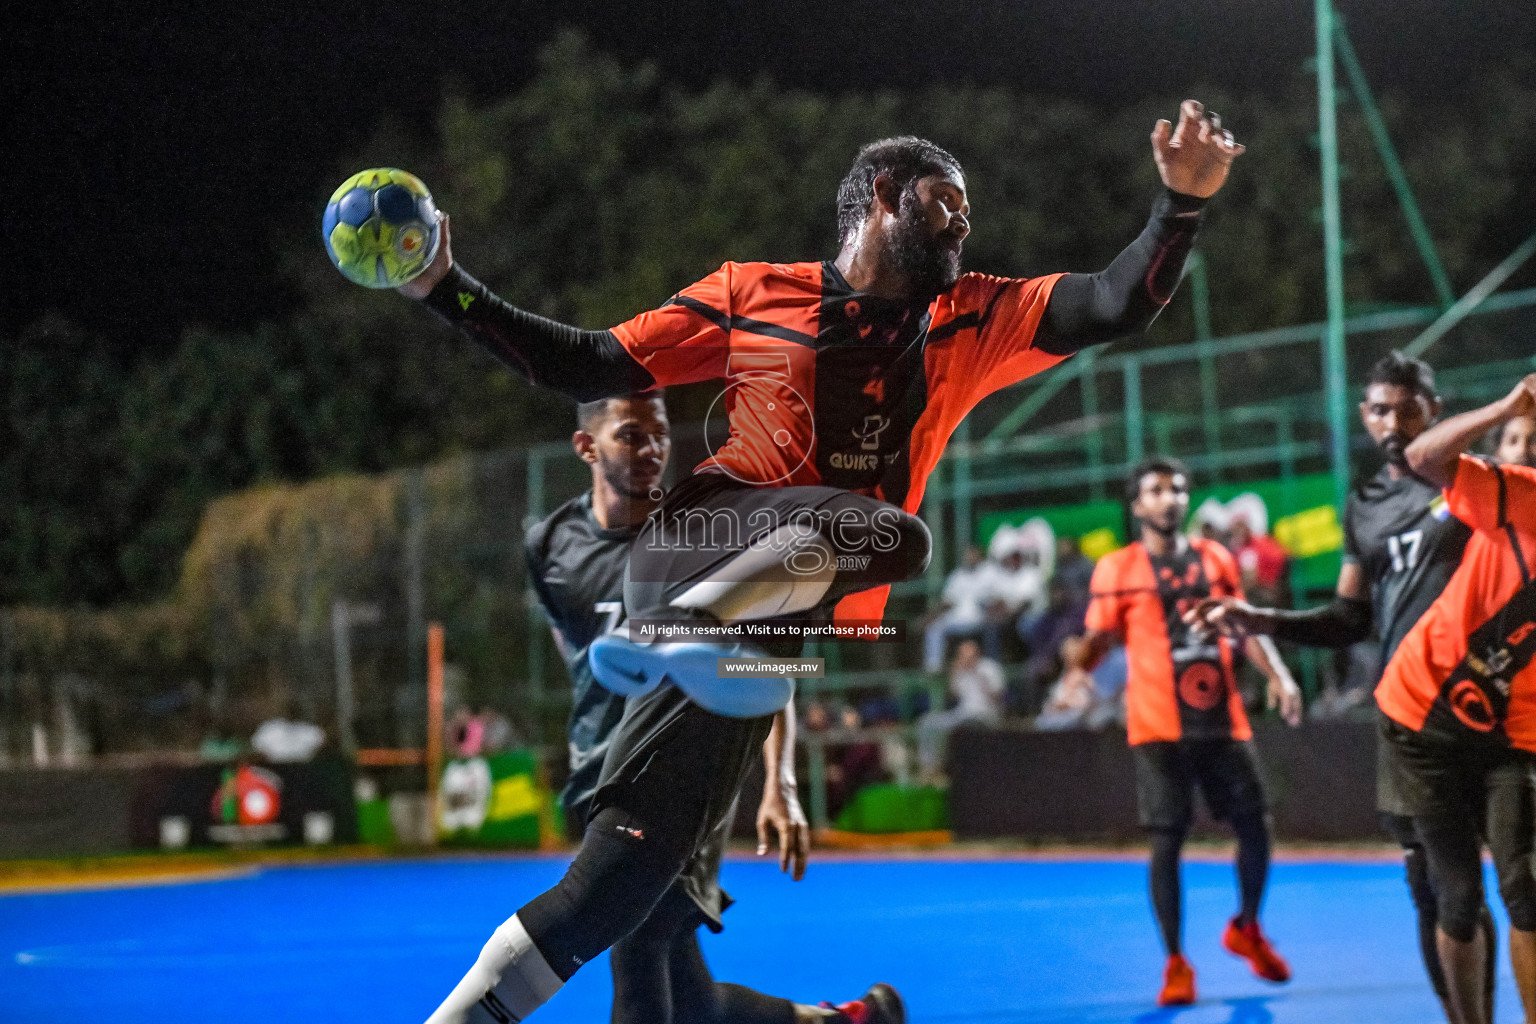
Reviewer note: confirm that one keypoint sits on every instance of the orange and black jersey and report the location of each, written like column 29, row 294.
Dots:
column 1180, row 683
column 827, row 385
column 1468, row 667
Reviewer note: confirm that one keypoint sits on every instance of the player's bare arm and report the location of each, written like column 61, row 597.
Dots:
column 1281, row 692
column 1433, row 454
column 780, row 810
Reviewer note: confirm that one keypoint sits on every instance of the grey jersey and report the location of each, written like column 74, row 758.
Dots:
column 1402, row 535
column 577, row 568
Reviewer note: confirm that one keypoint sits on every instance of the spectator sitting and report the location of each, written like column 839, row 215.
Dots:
column 976, row 683
column 962, row 610
column 1073, row 568
column 849, row 766
column 1069, row 702
column 1043, row 635
column 1086, row 700
column 1026, row 557
column 1264, row 564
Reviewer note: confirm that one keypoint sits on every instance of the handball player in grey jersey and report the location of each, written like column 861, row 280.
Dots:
column 576, row 561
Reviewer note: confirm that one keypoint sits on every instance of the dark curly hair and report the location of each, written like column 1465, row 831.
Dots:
column 1398, row 370
column 904, row 159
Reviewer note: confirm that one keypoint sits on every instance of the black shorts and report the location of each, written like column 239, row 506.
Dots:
column 1389, row 801
column 1227, row 772
column 675, row 771
column 1438, row 777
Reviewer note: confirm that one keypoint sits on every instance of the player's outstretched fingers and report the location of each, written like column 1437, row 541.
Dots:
column 1191, row 116
column 1204, row 613
column 802, row 849
column 762, row 834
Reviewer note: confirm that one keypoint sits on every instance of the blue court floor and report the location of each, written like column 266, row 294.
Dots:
column 987, row 941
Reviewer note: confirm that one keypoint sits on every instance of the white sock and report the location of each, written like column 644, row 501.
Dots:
column 757, row 585
column 508, row 982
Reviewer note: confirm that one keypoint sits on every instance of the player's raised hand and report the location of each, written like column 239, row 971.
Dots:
column 1522, row 400
column 420, row 286
column 1195, row 156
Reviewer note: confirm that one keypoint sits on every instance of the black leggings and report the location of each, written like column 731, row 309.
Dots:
column 1453, row 844
column 660, row 977
column 1252, row 829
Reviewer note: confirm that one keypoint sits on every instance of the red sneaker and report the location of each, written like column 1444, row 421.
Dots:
column 1249, row 943
column 1178, row 983
column 880, row 1005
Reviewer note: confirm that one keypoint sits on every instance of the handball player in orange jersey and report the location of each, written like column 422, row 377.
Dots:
column 843, row 381
column 1184, row 714
column 1459, row 698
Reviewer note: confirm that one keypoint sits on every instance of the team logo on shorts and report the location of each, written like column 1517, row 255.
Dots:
column 1471, row 706
column 1200, row 686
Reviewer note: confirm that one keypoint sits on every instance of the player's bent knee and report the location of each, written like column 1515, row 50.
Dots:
column 1519, row 895
column 1461, row 908
column 618, row 876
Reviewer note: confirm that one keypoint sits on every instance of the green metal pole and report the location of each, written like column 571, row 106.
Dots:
column 1134, row 447
column 1210, row 407
column 1095, row 438
column 816, row 765
column 1333, row 256
column 960, row 471
column 1378, row 128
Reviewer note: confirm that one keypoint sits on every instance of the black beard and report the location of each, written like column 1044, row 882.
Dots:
column 618, row 479
column 930, row 265
column 1395, row 448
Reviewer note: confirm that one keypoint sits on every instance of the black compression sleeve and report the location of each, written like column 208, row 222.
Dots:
column 586, row 365
column 1125, row 297
column 1338, row 624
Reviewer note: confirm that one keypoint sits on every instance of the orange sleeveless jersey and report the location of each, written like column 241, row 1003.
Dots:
column 1499, row 504
column 1144, row 605
column 825, row 385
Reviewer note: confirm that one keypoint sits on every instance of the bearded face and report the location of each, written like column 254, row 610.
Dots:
column 929, row 258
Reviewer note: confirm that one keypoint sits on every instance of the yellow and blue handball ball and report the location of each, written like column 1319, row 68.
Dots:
column 381, row 227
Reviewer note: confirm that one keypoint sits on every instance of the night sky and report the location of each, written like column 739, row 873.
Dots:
column 152, row 151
